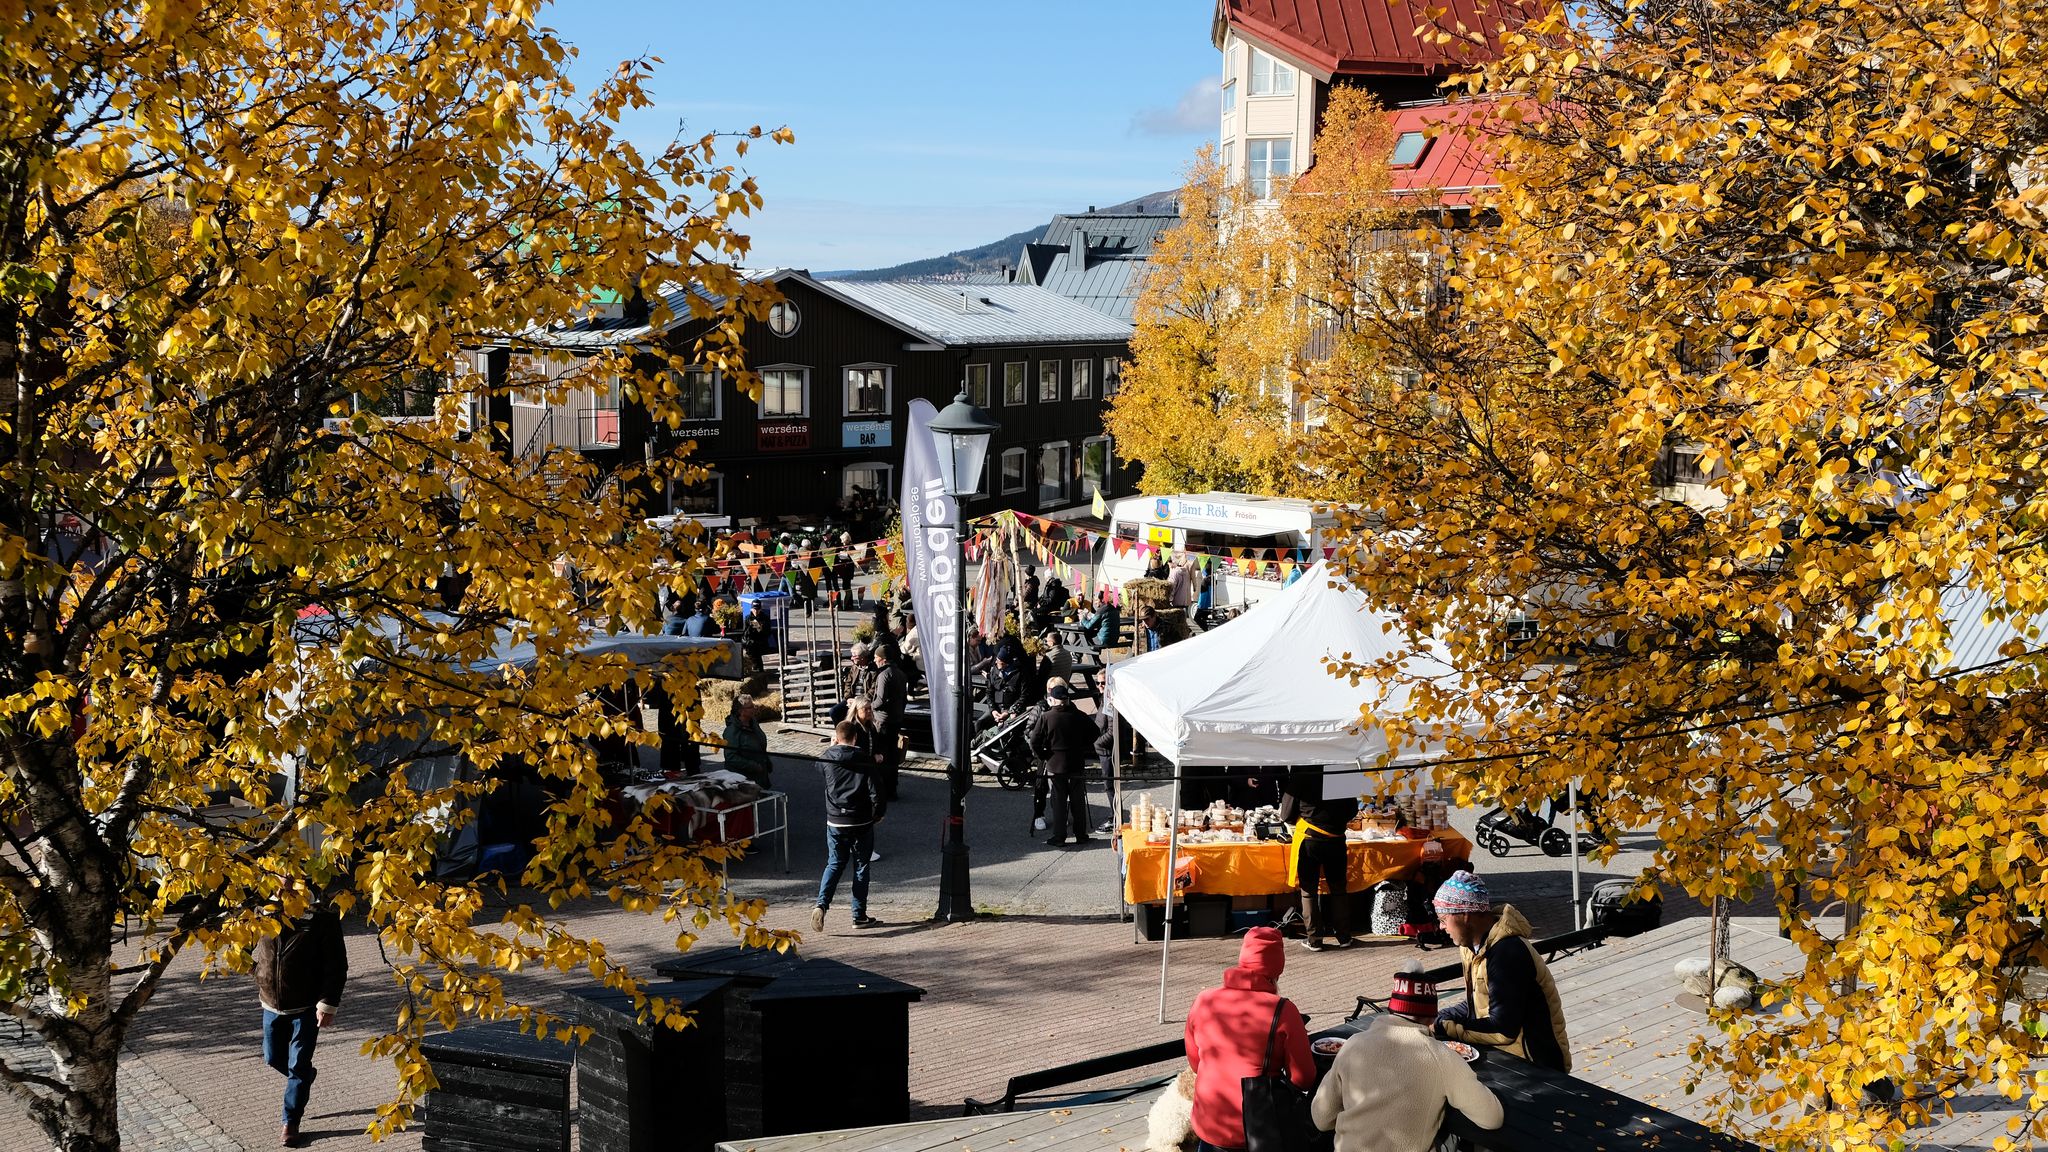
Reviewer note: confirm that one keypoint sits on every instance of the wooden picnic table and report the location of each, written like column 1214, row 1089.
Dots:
column 1545, row 1109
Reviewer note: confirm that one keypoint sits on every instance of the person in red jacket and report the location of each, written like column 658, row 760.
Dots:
column 1226, row 1037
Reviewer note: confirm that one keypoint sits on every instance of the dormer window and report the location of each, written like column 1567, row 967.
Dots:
column 1270, row 77
column 1409, row 148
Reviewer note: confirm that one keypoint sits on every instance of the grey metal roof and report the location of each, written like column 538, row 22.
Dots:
column 1110, row 287
column 978, row 314
column 1111, row 272
column 1122, row 234
column 601, row 330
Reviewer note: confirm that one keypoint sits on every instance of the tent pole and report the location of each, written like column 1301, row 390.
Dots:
column 1116, row 792
column 1572, row 798
column 1172, row 861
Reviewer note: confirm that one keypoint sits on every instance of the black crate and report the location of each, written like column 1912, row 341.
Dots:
column 811, row 1044
column 500, row 1090
column 643, row 1086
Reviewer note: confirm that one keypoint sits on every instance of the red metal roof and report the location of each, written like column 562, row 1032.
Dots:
column 1460, row 159
column 1370, row 37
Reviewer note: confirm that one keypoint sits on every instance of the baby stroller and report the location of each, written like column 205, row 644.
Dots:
column 1003, row 749
column 1498, row 825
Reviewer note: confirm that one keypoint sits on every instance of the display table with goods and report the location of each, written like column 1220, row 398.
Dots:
column 716, row 807
column 1227, row 851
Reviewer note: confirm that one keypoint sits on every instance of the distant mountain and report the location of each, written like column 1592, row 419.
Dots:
column 987, row 259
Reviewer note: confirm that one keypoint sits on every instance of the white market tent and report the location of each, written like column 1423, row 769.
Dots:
column 1257, row 691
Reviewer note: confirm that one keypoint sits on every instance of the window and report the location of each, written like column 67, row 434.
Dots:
column 704, row 498
column 867, row 390
column 1095, row 467
column 1270, row 77
column 697, row 394
column 784, row 391
column 1409, row 149
column 1230, row 97
column 1048, row 381
column 977, row 385
column 1265, row 159
column 1112, row 375
column 531, row 375
column 784, row 318
column 866, row 484
column 597, row 426
column 1013, row 382
column 1229, row 155
column 1054, row 461
column 1083, row 376
column 1013, row 471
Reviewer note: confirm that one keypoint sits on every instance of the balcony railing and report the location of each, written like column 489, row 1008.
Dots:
column 597, row 428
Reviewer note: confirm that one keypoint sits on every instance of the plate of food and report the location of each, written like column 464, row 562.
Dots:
column 1327, row 1045
column 1465, row 1051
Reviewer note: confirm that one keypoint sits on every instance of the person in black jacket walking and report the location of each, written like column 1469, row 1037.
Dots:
column 1321, row 857
column 299, row 977
column 890, row 696
column 1065, row 739
column 853, row 806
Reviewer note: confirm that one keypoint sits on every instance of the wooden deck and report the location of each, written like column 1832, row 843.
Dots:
column 1629, row 1032
column 1116, row 1127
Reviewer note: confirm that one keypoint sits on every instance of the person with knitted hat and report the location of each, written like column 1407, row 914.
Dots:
column 1227, row 1033
column 1390, row 1083
column 1510, row 1003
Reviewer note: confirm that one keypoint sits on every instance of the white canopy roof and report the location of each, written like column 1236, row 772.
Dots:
column 1256, row 691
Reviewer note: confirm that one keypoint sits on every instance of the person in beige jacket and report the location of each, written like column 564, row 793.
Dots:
column 1392, row 1081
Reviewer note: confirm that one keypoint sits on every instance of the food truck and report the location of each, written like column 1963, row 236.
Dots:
column 1215, row 524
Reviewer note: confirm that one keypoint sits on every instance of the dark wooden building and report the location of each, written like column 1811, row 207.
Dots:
column 840, row 362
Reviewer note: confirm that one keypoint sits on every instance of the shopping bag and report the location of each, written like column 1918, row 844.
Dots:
column 1276, row 1115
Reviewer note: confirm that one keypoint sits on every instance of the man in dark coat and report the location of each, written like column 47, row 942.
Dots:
column 890, row 695
column 1321, row 855
column 854, row 804
column 1064, row 739
column 299, row 977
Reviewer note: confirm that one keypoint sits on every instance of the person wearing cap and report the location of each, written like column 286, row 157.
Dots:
column 1390, row 1083
column 1511, row 1003
column 1229, row 1032
column 1063, row 739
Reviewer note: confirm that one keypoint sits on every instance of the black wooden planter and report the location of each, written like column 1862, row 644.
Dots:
column 500, row 1091
column 810, row 1044
column 642, row 1086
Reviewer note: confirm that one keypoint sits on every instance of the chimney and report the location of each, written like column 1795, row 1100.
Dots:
column 1077, row 251
column 1091, row 208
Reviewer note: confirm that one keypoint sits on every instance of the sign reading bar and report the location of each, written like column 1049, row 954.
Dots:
column 865, row 434
column 791, row 436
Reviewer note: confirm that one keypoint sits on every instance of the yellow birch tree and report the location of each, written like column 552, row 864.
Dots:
column 222, row 225
column 1738, row 404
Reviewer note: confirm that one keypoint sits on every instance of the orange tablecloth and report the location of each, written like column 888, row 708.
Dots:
column 1259, row 868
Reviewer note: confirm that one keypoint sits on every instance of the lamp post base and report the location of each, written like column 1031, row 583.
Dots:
column 956, row 898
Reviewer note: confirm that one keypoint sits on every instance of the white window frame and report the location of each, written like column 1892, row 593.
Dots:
column 1279, row 75
column 1229, row 154
column 716, row 479
column 1081, row 379
column 1065, row 493
column 1023, row 470
column 980, row 395
column 1056, row 396
column 531, row 395
column 803, row 393
column 846, row 389
column 1259, row 174
column 1023, row 368
column 1230, row 96
column 1112, row 375
column 887, row 489
column 717, row 395
column 1100, row 483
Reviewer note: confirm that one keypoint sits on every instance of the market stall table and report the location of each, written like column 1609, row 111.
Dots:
column 1259, row 867
column 719, row 822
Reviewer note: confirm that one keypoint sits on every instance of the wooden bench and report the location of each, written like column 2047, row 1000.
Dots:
column 1029, row 1090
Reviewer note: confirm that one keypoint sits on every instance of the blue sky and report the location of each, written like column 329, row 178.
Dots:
column 920, row 127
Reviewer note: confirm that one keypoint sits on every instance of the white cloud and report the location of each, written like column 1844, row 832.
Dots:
column 1195, row 113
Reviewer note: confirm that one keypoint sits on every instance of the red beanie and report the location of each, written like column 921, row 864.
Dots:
column 1414, row 997
column 1262, row 954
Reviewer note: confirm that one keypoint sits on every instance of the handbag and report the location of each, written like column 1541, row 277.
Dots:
column 1276, row 1115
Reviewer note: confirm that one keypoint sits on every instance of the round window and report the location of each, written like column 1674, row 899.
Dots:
column 783, row 319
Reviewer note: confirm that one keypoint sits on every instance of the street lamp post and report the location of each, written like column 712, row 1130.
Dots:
column 961, row 435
